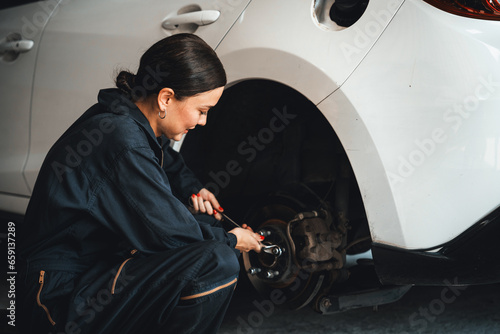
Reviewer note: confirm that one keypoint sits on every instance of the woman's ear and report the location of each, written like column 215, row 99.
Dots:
column 165, row 97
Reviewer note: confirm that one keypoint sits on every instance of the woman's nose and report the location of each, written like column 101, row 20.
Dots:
column 202, row 121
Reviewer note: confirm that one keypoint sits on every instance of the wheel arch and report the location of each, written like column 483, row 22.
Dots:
column 325, row 92
column 216, row 176
column 372, row 177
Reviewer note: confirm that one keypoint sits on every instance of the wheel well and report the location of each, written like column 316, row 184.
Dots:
column 264, row 137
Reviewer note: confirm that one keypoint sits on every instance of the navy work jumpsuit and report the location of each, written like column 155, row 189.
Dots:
column 108, row 245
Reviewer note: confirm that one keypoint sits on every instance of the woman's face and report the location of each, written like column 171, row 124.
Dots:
column 184, row 115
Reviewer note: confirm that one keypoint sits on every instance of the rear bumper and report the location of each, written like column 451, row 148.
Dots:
column 471, row 258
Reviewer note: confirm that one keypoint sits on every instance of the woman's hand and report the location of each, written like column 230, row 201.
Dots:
column 206, row 202
column 247, row 239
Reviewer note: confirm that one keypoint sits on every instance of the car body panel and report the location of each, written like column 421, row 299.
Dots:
column 298, row 48
column 28, row 22
column 434, row 125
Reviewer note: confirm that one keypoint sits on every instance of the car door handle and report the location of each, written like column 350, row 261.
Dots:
column 201, row 18
column 20, row 46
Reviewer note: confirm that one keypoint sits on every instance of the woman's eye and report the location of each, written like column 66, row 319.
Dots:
column 203, row 113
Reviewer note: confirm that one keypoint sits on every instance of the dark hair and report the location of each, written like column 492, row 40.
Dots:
column 183, row 62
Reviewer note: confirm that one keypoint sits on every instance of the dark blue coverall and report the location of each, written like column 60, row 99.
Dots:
column 108, row 246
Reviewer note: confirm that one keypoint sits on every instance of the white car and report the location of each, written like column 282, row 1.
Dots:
column 347, row 127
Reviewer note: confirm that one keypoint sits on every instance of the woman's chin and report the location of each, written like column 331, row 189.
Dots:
column 177, row 137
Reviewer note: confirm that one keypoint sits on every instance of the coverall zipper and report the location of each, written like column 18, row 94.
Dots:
column 120, row 270
column 41, row 281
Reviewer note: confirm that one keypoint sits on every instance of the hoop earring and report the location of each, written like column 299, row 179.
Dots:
column 165, row 115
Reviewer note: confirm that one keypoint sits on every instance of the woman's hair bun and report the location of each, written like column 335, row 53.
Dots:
column 125, row 81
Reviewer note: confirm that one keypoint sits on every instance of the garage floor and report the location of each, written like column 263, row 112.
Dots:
column 474, row 309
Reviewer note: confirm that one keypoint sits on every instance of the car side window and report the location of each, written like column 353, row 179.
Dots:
column 13, row 3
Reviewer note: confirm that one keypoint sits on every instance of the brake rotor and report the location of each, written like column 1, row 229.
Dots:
column 269, row 273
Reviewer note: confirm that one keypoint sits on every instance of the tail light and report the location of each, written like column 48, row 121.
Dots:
column 478, row 9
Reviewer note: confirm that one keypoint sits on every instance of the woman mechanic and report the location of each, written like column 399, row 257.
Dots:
column 109, row 245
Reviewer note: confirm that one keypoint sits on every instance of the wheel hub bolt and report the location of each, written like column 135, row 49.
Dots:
column 265, row 233
column 272, row 273
column 254, row 271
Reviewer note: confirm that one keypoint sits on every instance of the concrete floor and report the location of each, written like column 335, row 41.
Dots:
column 473, row 309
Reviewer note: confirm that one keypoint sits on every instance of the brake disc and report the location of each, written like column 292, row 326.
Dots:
column 297, row 278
